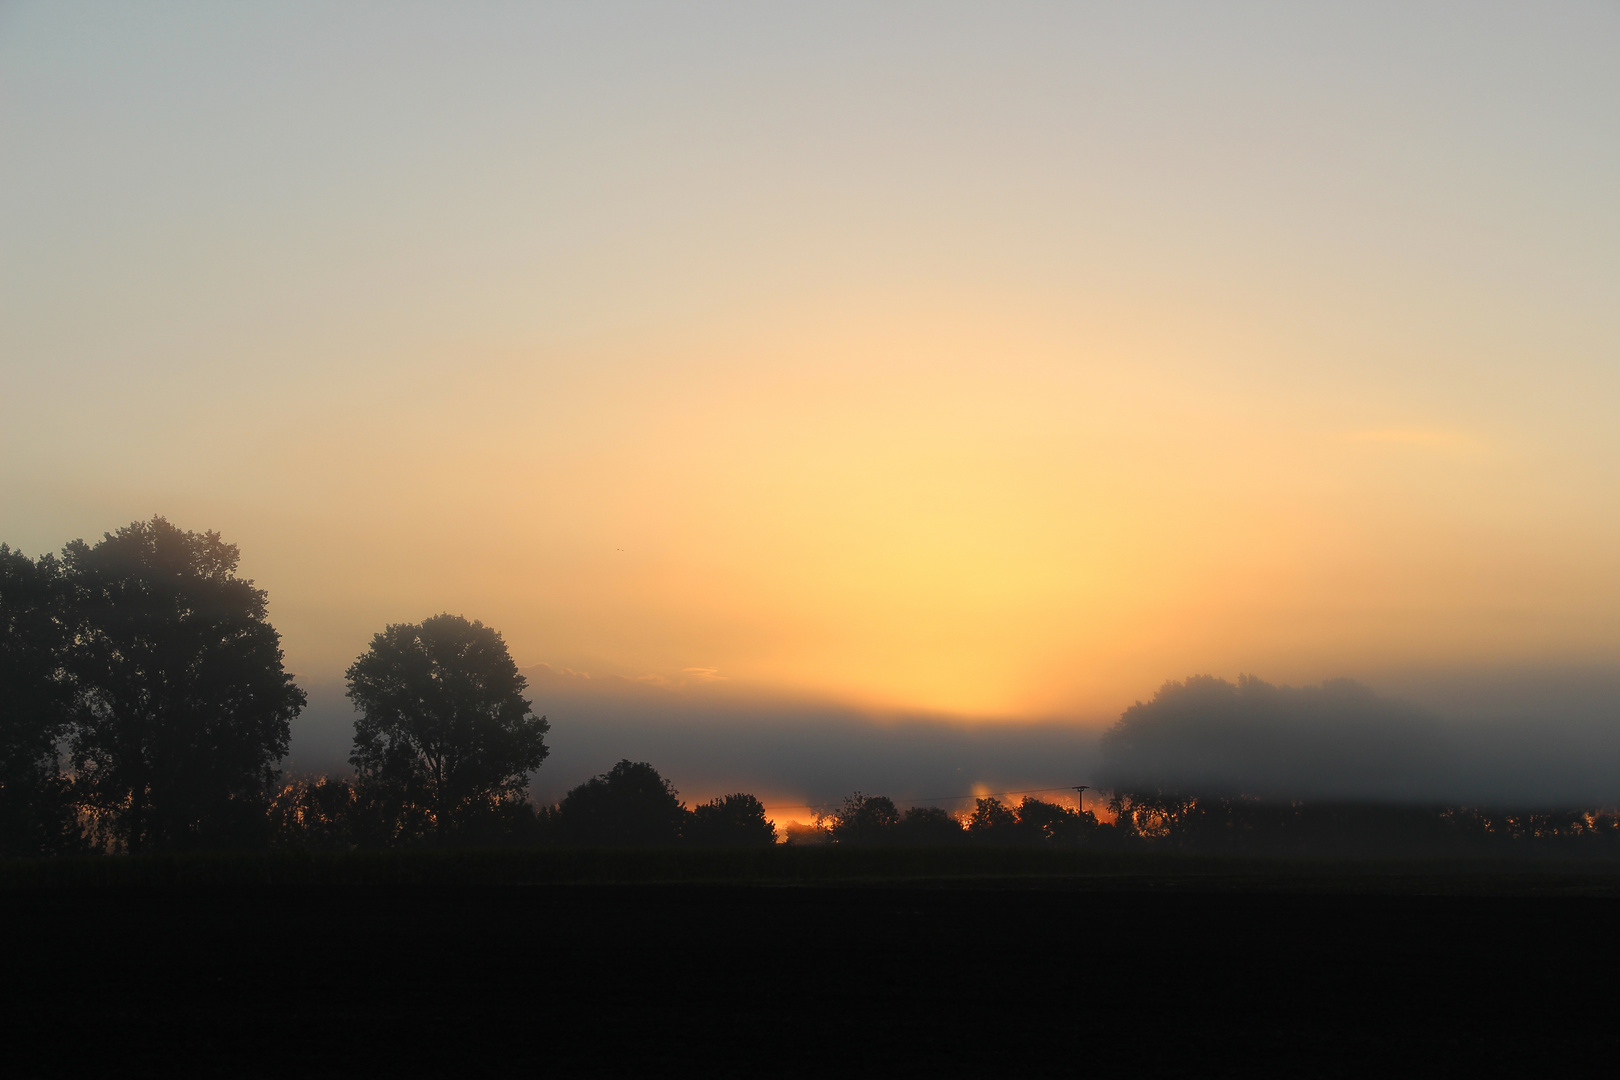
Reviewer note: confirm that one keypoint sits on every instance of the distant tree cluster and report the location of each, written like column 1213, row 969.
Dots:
column 875, row 820
column 630, row 805
column 1249, row 826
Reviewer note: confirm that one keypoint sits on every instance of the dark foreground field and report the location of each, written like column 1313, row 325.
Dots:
column 1276, row 970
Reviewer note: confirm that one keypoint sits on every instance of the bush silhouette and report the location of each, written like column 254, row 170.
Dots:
column 1045, row 822
column 928, row 825
column 730, row 821
column 322, row 815
column 866, row 819
column 630, row 805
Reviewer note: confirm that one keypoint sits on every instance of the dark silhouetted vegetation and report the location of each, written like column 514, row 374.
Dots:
column 866, row 819
column 1050, row 823
column 1221, row 825
column 1032, row 822
column 445, row 741
column 928, row 826
column 992, row 820
column 323, row 815
column 730, row 821
column 37, row 814
column 152, row 668
column 336, row 814
column 143, row 708
column 182, row 704
column 875, row 820
column 630, row 805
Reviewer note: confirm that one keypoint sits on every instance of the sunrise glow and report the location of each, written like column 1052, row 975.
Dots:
column 1278, row 353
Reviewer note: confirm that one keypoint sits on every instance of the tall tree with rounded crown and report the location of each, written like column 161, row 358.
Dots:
column 183, row 706
column 444, row 725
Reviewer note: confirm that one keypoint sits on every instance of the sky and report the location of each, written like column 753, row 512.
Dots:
column 980, row 363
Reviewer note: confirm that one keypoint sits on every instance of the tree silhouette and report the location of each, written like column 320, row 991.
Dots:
column 319, row 815
column 630, row 805
column 444, row 726
column 731, row 821
column 1047, row 822
column 183, row 706
column 926, row 825
column 36, row 808
column 1151, row 815
column 994, row 821
column 866, row 819
column 1033, row 822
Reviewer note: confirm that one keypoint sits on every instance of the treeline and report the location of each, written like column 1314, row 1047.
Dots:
column 628, row 806
column 144, row 707
column 876, row 820
column 1249, row 826
column 631, row 805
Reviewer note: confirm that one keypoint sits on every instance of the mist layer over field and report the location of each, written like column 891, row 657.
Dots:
column 1528, row 738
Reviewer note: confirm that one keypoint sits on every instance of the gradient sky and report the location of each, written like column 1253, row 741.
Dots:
column 995, row 360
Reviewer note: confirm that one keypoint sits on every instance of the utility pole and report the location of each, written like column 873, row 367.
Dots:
column 1082, row 789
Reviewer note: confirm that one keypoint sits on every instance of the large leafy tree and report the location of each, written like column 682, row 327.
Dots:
column 444, row 725
column 36, row 810
column 183, row 704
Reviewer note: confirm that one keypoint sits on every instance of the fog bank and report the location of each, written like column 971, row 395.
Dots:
column 1547, row 738
column 713, row 739
column 1534, row 739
